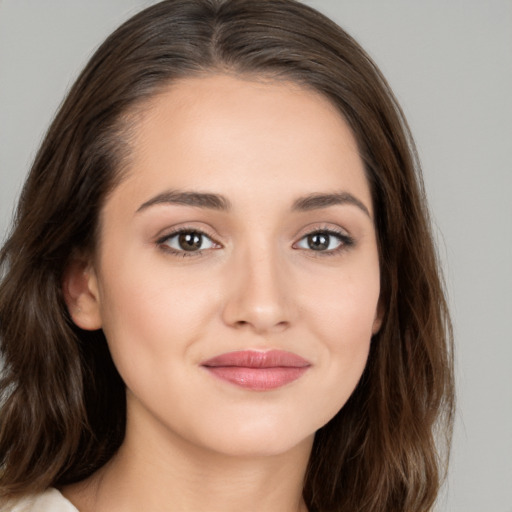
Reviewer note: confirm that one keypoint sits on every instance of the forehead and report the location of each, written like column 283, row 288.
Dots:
column 234, row 134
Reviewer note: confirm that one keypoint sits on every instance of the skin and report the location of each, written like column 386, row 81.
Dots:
column 195, row 442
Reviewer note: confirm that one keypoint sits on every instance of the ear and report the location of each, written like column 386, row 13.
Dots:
column 379, row 318
column 80, row 288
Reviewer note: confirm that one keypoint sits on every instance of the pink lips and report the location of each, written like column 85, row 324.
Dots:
column 259, row 371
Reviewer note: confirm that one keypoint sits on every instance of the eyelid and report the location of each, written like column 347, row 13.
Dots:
column 195, row 226
column 322, row 227
column 347, row 241
column 177, row 230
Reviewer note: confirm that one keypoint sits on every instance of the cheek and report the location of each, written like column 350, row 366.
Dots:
column 151, row 316
column 341, row 316
column 142, row 292
column 344, row 309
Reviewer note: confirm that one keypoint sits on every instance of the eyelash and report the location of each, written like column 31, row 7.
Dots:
column 346, row 242
column 161, row 242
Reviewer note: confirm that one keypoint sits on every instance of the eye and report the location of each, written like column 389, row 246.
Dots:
column 324, row 241
column 188, row 241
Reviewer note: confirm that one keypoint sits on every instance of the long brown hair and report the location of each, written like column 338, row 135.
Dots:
column 62, row 400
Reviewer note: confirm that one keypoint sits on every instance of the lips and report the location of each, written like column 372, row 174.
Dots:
column 259, row 371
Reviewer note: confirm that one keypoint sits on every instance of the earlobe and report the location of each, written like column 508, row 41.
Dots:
column 80, row 289
column 379, row 317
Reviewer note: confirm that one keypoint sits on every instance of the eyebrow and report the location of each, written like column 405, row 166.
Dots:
column 197, row 199
column 221, row 203
column 319, row 201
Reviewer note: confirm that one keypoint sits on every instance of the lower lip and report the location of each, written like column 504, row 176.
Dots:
column 258, row 379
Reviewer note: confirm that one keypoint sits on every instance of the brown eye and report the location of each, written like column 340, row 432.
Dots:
column 325, row 241
column 318, row 241
column 188, row 241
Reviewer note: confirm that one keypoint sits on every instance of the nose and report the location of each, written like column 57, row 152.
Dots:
column 258, row 294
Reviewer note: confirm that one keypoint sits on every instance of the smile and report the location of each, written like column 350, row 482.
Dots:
column 259, row 371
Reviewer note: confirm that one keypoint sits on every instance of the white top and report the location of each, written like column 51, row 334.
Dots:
column 49, row 501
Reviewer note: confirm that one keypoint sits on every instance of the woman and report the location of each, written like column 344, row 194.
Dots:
column 220, row 291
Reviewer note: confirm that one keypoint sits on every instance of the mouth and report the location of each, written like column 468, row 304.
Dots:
column 258, row 371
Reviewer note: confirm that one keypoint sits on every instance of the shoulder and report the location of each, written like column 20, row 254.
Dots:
column 49, row 501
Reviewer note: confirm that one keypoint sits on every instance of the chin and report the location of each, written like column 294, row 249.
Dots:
column 262, row 444
column 262, row 436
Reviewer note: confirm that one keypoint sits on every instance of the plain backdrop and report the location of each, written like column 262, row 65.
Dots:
column 450, row 65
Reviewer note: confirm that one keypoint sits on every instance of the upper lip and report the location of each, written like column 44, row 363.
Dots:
column 257, row 359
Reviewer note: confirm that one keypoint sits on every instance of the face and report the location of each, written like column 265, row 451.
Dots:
column 237, row 274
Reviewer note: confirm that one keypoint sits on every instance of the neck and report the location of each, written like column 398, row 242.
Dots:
column 156, row 470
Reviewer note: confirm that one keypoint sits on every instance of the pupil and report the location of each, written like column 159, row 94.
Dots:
column 190, row 241
column 318, row 241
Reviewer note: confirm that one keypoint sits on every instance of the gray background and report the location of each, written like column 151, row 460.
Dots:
column 450, row 64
